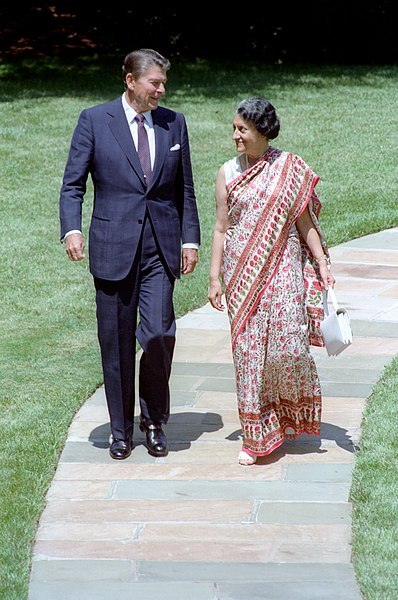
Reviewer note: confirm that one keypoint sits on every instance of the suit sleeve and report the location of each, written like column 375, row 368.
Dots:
column 190, row 229
column 75, row 175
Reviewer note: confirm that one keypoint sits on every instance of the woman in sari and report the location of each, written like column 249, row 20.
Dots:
column 269, row 253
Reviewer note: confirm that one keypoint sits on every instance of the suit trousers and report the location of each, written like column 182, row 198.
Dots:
column 146, row 292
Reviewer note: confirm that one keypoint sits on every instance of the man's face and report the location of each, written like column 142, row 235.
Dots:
column 145, row 92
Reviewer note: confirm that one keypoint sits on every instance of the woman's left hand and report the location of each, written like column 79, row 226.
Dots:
column 326, row 275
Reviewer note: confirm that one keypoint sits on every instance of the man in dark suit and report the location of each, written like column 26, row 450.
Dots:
column 144, row 231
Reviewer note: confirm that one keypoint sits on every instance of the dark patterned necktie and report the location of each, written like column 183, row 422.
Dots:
column 143, row 148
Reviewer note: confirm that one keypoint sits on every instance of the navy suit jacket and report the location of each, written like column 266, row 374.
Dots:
column 102, row 146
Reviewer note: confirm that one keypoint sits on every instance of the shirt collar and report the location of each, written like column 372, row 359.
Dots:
column 131, row 113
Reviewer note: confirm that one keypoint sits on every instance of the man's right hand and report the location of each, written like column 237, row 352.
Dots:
column 74, row 246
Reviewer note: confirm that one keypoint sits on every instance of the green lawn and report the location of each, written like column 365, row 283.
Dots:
column 343, row 122
column 374, row 492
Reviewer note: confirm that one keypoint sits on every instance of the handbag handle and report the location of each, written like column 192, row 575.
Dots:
column 333, row 298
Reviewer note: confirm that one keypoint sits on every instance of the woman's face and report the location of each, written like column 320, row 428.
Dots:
column 247, row 138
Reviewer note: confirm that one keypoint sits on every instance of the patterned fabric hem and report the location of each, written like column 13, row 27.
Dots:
column 278, row 443
column 269, row 451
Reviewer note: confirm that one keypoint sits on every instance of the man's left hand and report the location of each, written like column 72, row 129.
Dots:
column 189, row 258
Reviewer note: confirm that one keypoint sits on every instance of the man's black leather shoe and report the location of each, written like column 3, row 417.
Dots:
column 155, row 438
column 120, row 449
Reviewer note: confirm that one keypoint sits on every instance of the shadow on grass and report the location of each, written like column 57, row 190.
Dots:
column 101, row 77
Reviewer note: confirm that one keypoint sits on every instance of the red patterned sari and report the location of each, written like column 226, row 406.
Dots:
column 274, row 300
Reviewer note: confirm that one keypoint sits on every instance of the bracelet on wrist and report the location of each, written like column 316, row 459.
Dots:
column 321, row 258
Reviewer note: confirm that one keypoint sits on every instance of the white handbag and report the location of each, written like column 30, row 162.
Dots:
column 336, row 327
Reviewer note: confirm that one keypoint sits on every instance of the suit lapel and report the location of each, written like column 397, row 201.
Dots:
column 161, row 143
column 120, row 128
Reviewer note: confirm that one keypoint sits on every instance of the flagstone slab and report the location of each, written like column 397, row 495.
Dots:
column 98, row 452
column 84, row 570
column 304, row 552
column 204, row 337
column 185, row 383
column 97, row 399
column 340, row 422
column 197, row 591
column 348, row 360
column 383, row 329
column 210, row 489
column 391, row 292
column 90, row 431
column 129, row 571
column 379, row 346
column 304, row 513
column 183, row 398
column 346, row 419
column 391, row 314
column 334, row 472
column 299, row 453
column 249, row 533
column 286, row 591
column 341, row 403
column 204, row 321
column 244, row 571
column 343, row 436
column 385, row 240
column 362, row 307
column 208, row 399
column 106, row 590
column 353, row 375
column 202, row 369
column 204, row 453
column 227, row 407
column 173, row 550
column 144, row 511
column 377, row 256
column 192, row 416
column 262, row 551
column 80, row 489
column 106, row 475
column 88, row 531
column 218, row 384
column 206, row 355
column 348, row 389
column 367, row 271
column 97, row 412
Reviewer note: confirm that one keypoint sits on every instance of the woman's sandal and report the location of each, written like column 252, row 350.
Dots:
column 246, row 459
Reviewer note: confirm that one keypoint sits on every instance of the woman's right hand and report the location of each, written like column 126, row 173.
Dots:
column 215, row 295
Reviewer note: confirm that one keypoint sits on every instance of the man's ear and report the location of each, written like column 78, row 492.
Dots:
column 130, row 81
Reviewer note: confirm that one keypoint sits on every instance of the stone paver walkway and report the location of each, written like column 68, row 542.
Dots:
column 197, row 526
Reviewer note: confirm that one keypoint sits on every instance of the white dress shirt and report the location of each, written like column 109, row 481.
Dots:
column 148, row 124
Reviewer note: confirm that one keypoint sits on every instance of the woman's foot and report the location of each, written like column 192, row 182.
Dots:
column 290, row 433
column 246, row 459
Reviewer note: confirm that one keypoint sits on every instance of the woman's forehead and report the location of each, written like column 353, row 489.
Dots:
column 238, row 120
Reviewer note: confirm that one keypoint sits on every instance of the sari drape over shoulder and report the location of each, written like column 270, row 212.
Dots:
column 267, row 199
column 274, row 299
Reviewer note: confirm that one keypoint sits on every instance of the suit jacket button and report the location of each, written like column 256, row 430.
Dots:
column 140, row 221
